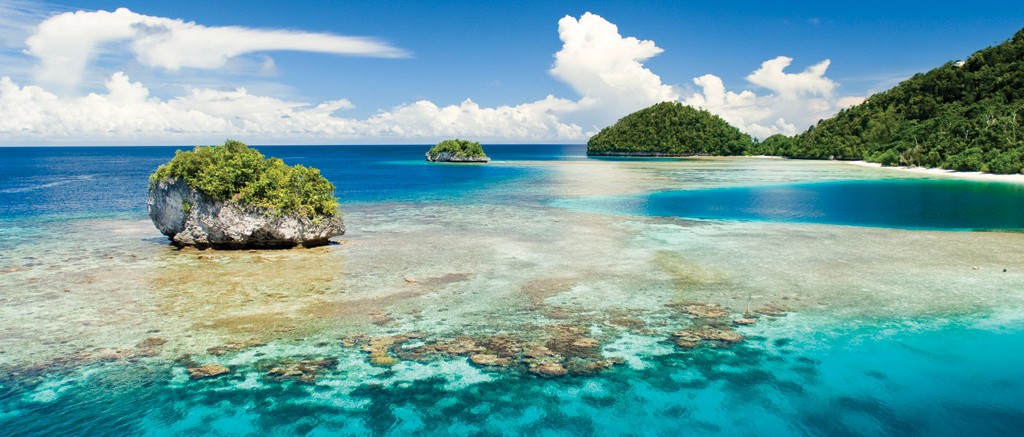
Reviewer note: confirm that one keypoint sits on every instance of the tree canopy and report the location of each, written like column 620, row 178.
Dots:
column 236, row 172
column 672, row 129
column 459, row 148
column 961, row 116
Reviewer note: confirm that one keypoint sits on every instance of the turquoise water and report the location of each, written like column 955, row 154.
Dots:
column 908, row 204
column 886, row 325
column 948, row 380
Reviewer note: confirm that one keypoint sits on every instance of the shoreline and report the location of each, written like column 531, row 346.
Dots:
column 952, row 174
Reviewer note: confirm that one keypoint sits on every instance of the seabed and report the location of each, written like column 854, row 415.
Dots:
column 499, row 310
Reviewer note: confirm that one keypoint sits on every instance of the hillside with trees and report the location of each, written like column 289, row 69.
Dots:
column 961, row 116
column 669, row 129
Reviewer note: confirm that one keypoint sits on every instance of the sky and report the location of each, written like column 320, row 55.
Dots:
column 388, row 72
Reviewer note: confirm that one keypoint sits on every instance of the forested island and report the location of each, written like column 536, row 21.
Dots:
column 457, row 151
column 232, row 197
column 669, row 129
column 961, row 116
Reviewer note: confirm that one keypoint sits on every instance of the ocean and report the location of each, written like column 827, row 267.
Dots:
column 544, row 293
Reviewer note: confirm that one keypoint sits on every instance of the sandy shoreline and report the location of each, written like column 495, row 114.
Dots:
column 966, row 175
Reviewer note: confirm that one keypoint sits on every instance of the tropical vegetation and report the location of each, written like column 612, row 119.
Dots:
column 670, row 129
column 236, row 172
column 458, row 148
column 962, row 116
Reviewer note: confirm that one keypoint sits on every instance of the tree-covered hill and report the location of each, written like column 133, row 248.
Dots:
column 960, row 116
column 669, row 129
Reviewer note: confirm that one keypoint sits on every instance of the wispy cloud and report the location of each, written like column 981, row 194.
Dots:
column 17, row 20
column 66, row 43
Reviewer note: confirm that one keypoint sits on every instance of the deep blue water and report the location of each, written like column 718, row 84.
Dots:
column 110, row 180
column 75, row 181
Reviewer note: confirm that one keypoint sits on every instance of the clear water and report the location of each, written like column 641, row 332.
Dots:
column 892, row 324
column 908, row 204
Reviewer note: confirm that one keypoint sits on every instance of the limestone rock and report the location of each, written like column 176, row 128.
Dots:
column 190, row 218
column 451, row 157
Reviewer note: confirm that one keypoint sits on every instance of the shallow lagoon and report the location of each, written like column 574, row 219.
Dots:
column 869, row 329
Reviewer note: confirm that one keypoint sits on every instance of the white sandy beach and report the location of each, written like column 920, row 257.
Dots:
column 941, row 172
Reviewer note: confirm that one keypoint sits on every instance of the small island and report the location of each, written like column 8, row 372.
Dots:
column 669, row 129
column 460, row 151
column 232, row 197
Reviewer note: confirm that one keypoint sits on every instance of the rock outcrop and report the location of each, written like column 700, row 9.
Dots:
column 454, row 157
column 190, row 218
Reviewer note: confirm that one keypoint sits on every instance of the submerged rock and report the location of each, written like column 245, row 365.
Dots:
column 590, row 367
column 191, row 218
column 706, row 311
column 379, row 349
column 207, row 371
column 489, row 360
column 381, row 359
column 537, row 351
column 150, row 346
column 304, row 370
column 717, row 334
column 232, row 347
column 549, row 369
column 687, row 343
column 771, row 311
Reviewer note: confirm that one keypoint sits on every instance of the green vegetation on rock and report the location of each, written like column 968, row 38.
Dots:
column 960, row 116
column 235, row 172
column 669, row 129
column 457, row 148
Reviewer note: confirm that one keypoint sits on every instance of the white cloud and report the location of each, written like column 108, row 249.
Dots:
column 846, row 102
column 126, row 113
column 795, row 100
column 811, row 81
column 529, row 121
column 606, row 69
column 65, row 43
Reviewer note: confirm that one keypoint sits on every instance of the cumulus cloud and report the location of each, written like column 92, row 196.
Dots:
column 794, row 101
column 811, row 81
column 607, row 69
column 126, row 113
column 65, row 43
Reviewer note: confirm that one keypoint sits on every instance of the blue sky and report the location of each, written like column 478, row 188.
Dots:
column 431, row 57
